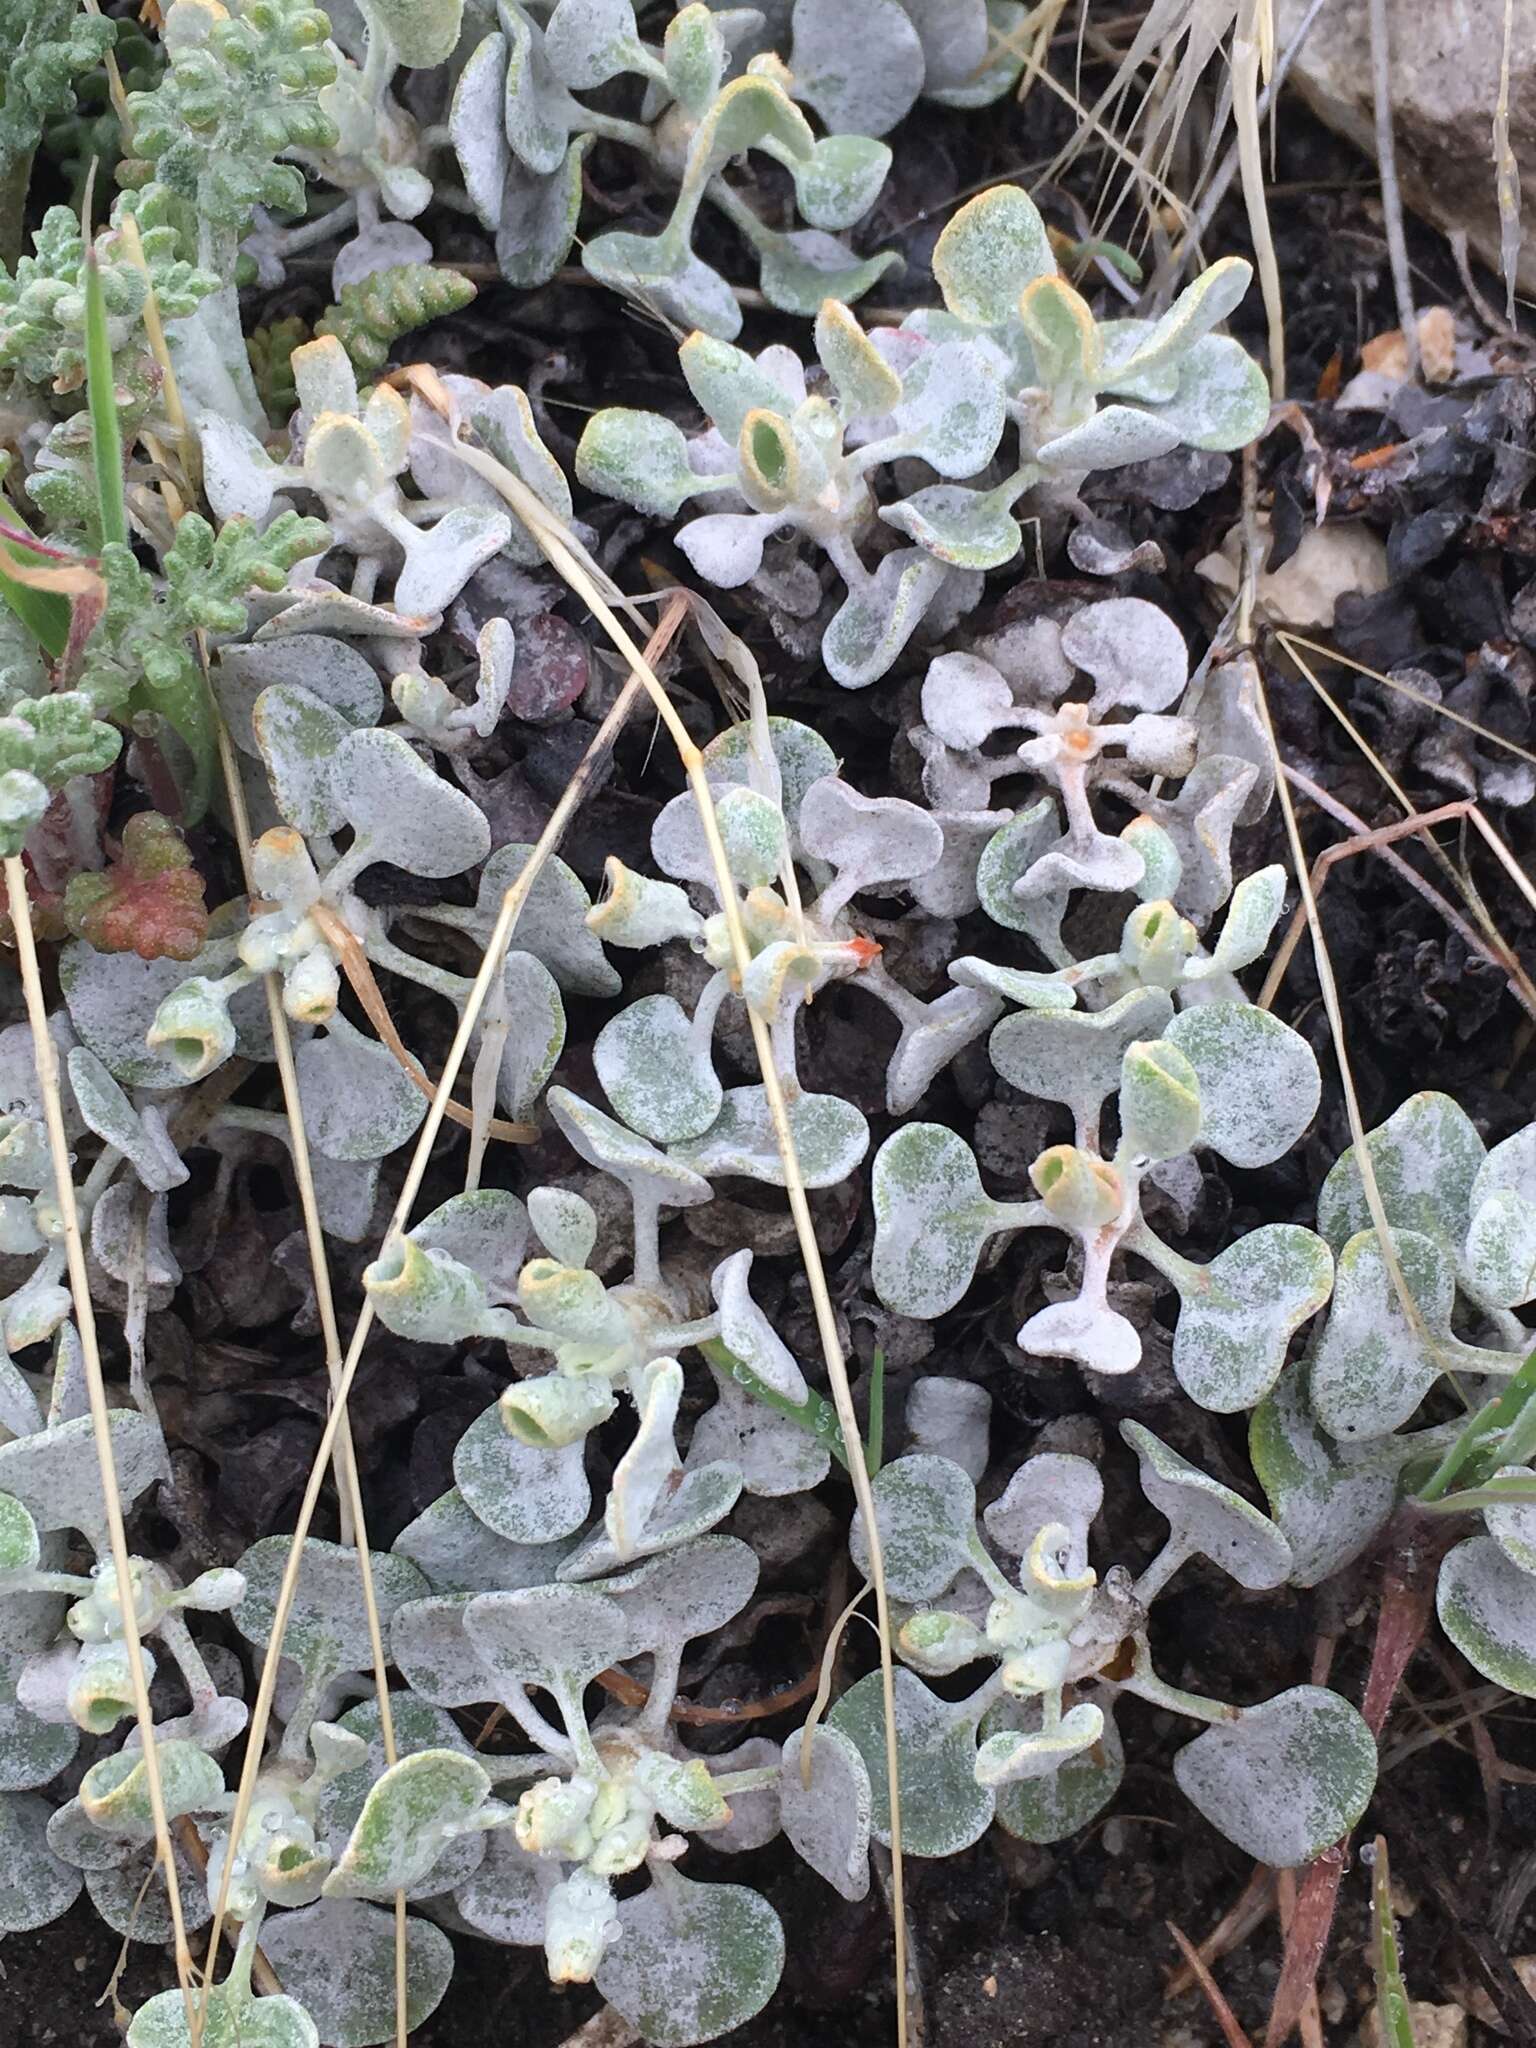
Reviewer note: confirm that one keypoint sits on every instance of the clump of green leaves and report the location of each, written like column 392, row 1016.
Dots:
column 149, row 901
column 44, row 741
column 372, row 313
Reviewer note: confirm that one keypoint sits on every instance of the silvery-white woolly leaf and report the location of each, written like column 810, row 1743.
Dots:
column 827, row 1820
column 497, row 648
column 1259, row 1081
column 1427, row 1157
column 932, row 1217
column 404, row 811
column 565, row 1223
column 1029, row 988
column 107, row 1111
column 1499, row 1260
column 536, row 1034
column 1007, row 859
column 1512, row 1523
column 1015, row 1756
column 1206, row 1518
column 1061, row 1802
column 1095, row 1336
column 113, row 997
column 1053, row 1486
column 952, row 407
column 538, row 111
column 337, row 1958
column 331, row 670
column 441, row 558
column 1487, row 1607
column 321, row 608
column 691, row 1591
column 874, row 622
column 345, row 1192
column 410, row 1816
column 1199, row 821
column 504, row 1899
column 115, row 1794
column 943, row 1809
column 476, row 129
column 729, row 383
column 537, row 227
column 132, row 1899
column 1076, row 1057
column 657, row 1072
column 830, row 1138
column 633, row 1161
column 35, row 1886
column 929, row 1042
column 557, row 1637
column 800, row 757
column 1329, row 1511
column 754, row 1817
column 1373, row 1368
column 868, row 840
column 1116, row 434
column 965, row 700
column 231, row 2018
column 637, row 457
column 297, row 737
column 648, row 1470
column 1239, row 1313
column 951, row 1419
column 431, row 1647
column 1286, row 1779
column 705, row 1496
column 522, row 1494
column 328, row 1623
column 240, row 479
column 459, row 1554
column 774, row 1455
column 926, row 1508
column 1256, row 904
column 948, row 888
column 991, row 249
column 552, row 923
column 486, row 1230
column 860, row 77
column 77, row 1841
column 747, row 1333
column 726, row 548
column 55, row 1475
column 31, row 1750
column 118, row 1248
column 1223, row 396
column 840, row 180
column 693, row 1960
column 358, row 1101
column 966, row 529
column 588, row 42
column 38, row 1308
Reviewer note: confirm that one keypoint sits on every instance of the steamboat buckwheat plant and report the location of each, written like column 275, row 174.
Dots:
column 396, row 944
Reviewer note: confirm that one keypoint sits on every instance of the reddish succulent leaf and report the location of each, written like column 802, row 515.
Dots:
column 149, row 902
column 549, row 671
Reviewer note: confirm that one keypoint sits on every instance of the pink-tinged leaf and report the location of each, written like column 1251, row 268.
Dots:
column 550, row 671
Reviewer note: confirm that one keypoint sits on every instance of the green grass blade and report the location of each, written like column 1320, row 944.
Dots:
column 101, row 394
column 1511, row 1418
column 1393, row 2009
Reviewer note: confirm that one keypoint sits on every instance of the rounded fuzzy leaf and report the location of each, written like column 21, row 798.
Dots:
column 875, row 622
column 656, row 1073
column 932, row 1217
column 1286, row 1779
column 860, row 73
column 337, row 1958
column 952, row 403
column 535, row 1036
column 407, row 813
column 865, row 384
column 637, row 457
column 693, row 1960
column 830, row 1137
column 408, row 1818
column 358, row 1101
column 1052, row 1486
column 1062, row 1802
column 231, row 2019
column 1259, row 1081
column 328, row 1624
column 522, row 1494
column 552, row 923
column 1328, row 1511
column 840, row 180
column 459, row 1554
column 943, row 1809
column 1427, row 1157
column 55, row 1476
column 35, row 1886
column 1487, row 1606
column 965, row 529
column 747, row 1333
column 1075, row 1057
column 827, row 1820
column 868, row 840
column 558, row 1637
column 1132, row 649
column 705, row 1495
column 684, row 1593
column 1207, row 1517
column 649, row 1175
column 927, row 1515
column 1512, row 1523
column 433, row 1650
column 1240, row 1312
column 992, row 248
column 1372, row 1368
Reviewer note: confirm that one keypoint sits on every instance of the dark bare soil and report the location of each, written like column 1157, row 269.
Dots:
column 1015, row 1945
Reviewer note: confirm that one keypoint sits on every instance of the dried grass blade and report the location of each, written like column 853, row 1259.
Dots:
column 50, row 1084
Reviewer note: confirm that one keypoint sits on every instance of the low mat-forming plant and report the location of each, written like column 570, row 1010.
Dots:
column 308, row 597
